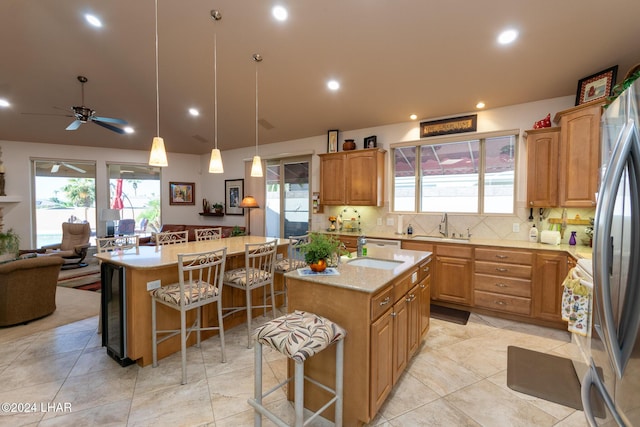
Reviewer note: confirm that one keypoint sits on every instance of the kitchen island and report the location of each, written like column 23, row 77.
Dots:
column 148, row 264
column 384, row 307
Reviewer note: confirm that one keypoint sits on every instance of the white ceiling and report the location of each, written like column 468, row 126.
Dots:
column 392, row 58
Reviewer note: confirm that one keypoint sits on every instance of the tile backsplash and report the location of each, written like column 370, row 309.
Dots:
column 500, row 227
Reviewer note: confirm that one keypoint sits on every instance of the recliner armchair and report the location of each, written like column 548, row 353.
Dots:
column 74, row 245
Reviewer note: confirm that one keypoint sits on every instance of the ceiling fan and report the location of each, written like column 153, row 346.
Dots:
column 83, row 114
column 56, row 166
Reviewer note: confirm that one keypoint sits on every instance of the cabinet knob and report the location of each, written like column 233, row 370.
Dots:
column 502, row 256
column 385, row 301
column 422, row 286
column 500, row 303
column 501, row 285
column 501, row 270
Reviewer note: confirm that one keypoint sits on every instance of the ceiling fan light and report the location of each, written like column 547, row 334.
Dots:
column 256, row 167
column 158, row 156
column 215, row 164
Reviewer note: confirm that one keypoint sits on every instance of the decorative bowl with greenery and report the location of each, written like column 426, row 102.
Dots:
column 320, row 248
column 217, row 206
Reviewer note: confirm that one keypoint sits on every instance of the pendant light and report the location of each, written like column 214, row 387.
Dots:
column 158, row 156
column 256, row 166
column 215, row 164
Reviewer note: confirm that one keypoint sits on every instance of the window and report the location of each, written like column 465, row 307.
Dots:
column 288, row 197
column 65, row 191
column 459, row 175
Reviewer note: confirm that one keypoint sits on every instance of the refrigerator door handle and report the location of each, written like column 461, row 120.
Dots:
column 603, row 253
column 591, row 379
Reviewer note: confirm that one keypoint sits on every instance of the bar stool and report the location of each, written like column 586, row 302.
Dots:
column 299, row 336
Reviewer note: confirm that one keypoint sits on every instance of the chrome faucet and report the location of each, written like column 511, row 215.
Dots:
column 444, row 224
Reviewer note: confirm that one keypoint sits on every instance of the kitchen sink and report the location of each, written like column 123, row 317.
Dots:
column 381, row 264
column 439, row 238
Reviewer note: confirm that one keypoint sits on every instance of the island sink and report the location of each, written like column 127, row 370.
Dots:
column 381, row 264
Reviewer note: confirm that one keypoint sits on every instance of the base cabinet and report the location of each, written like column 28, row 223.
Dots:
column 453, row 277
column 550, row 271
column 381, row 360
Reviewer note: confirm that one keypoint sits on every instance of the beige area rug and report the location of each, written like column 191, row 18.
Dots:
column 71, row 305
column 75, row 277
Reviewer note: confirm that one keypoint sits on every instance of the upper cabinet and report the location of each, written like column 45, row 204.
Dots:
column 579, row 154
column 563, row 162
column 352, row 177
column 543, row 147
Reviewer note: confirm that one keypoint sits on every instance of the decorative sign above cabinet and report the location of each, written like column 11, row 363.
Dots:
column 449, row 126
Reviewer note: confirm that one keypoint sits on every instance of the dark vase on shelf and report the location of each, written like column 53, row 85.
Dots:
column 348, row 145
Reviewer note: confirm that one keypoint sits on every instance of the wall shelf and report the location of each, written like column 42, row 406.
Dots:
column 211, row 214
column 10, row 199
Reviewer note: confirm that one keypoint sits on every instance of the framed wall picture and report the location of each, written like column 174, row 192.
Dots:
column 182, row 193
column 332, row 141
column 234, row 193
column 370, row 142
column 596, row 86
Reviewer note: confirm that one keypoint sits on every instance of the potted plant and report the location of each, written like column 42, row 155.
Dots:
column 217, row 207
column 320, row 248
column 9, row 245
column 237, row 231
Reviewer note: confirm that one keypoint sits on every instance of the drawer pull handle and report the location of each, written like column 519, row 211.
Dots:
column 500, row 303
column 422, row 286
column 502, row 270
column 501, row 285
column 385, row 301
column 502, row 256
column 426, row 269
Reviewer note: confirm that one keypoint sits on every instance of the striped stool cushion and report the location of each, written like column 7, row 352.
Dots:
column 289, row 264
column 299, row 335
column 239, row 276
column 171, row 293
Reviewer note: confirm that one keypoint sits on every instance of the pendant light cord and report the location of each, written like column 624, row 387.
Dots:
column 157, row 79
column 215, row 88
column 256, row 108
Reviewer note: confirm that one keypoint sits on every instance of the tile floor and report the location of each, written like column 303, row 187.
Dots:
column 457, row 379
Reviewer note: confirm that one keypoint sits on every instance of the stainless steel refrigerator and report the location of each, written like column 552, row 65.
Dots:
column 614, row 368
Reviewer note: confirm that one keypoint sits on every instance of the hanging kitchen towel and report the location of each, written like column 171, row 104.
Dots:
column 567, row 295
column 579, row 316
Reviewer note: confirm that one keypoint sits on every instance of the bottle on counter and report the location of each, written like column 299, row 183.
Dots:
column 409, row 230
column 572, row 239
column 533, row 234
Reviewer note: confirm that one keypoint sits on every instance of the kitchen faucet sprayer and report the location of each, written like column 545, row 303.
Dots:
column 444, row 224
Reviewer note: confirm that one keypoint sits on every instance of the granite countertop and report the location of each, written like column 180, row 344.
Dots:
column 368, row 279
column 163, row 256
column 578, row 251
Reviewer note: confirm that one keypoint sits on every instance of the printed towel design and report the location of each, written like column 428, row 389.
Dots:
column 575, row 305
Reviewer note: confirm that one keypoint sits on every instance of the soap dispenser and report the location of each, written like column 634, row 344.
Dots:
column 533, row 234
column 409, row 230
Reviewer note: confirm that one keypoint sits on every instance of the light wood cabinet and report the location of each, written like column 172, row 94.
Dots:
column 381, row 360
column 453, row 276
column 579, row 154
column 400, row 337
column 352, row 177
column 543, row 149
column 503, row 280
column 424, row 296
column 550, row 271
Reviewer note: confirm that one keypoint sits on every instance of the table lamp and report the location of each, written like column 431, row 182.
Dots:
column 109, row 216
column 249, row 203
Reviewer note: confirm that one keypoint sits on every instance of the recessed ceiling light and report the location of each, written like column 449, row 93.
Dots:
column 413, row 117
column 129, row 129
column 4, row 103
column 280, row 13
column 480, row 104
column 93, row 20
column 507, row 36
column 194, row 112
column 333, row 85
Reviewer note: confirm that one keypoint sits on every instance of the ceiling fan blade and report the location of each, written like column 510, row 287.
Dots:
column 74, row 125
column 75, row 168
column 108, row 126
column 109, row 120
column 48, row 114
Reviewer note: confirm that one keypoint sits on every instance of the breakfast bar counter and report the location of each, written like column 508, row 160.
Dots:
column 148, row 264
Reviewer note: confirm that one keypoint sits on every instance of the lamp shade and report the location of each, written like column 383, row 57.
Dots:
column 256, row 167
column 249, row 202
column 158, row 156
column 215, row 164
column 110, row 215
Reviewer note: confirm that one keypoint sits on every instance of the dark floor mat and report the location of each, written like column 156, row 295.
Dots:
column 547, row 377
column 449, row 314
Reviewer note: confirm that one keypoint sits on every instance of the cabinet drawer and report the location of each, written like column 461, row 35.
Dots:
column 506, row 303
column 504, row 270
column 424, row 270
column 503, row 285
column 457, row 251
column 381, row 302
column 504, row 256
column 403, row 285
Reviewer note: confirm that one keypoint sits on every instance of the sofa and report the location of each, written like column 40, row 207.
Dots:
column 28, row 288
column 150, row 240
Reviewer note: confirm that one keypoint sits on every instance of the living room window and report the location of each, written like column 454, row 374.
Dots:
column 459, row 175
column 65, row 191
